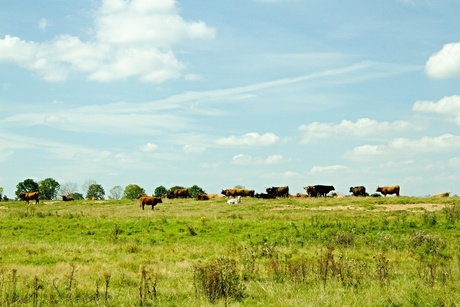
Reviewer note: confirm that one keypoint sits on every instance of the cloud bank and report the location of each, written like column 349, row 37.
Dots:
column 132, row 39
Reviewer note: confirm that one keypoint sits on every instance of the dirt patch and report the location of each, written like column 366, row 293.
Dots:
column 408, row 207
column 412, row 207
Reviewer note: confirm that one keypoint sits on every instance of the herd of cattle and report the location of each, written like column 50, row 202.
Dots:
column 236, row 194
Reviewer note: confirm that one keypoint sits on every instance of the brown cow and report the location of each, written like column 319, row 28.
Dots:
column 300, row 195
column 148, row 201
column 29, row 196
column 237, row 192
column 394, row 189
column 67, row 198
column 278, row 191
column 178, row 193
column 202, row 197
column 445, row 194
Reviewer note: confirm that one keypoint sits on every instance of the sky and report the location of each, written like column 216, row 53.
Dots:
column 254, row 93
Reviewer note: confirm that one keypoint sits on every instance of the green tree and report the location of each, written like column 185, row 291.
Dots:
column 77, row 196
column 1, row 192
column 160, row 191
column 195, row 190
column 28, row 185
column 116, row 192
column 86, row 184
column 48, row 188
column 132, row 190
column 95, row 191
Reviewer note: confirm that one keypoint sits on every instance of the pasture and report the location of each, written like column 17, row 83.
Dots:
column 394, row 251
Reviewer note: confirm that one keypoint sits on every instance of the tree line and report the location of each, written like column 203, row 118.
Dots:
column 50, row 189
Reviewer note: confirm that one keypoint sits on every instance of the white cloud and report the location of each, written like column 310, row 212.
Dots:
column 449, row 106
column 120, row 118
column 361, row 128
column 445, row 63
column 149, row 147
column 249, row 139
column 427, row 144
column 365, row 151
column 132, row 39
column 247, row 160
column 327, row 169
column 193, row 149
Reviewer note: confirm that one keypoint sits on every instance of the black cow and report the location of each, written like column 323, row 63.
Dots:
column 358, row 191
column 278, row 191
column 264, row 196
column 318, row 190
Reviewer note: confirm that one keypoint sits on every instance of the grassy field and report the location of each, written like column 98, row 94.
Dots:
column 394, row 251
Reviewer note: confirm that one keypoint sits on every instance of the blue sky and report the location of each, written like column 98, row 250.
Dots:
column 223, row 93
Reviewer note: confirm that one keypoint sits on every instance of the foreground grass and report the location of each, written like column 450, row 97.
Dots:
column 262, row 252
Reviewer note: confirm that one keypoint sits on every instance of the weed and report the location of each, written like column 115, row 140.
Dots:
column 429, row 219
column 218, row 279
column 191, row 230
column 382, row 268
column 147, row 287
column 115, row 233
column 344, row 238
column 452, row 213
column 430, row 252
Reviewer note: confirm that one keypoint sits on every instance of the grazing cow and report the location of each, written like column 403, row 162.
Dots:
column 264, row 196
column 278, row 191
column 394, row 189
column 29, row 196
column 358, row 191
column 202, row 197
column 67, row 198
column 237, row 192
column 234, row 201
column 445, row 194
column 145, row 200
column 179, row 193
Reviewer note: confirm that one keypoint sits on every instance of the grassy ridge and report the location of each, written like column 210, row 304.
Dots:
column 270, row 252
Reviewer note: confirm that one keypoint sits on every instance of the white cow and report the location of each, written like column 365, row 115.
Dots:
column 234, row 201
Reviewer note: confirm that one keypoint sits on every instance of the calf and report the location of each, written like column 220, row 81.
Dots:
column 234, row 201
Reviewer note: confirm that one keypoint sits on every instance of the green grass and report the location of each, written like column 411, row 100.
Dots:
column 261, row 252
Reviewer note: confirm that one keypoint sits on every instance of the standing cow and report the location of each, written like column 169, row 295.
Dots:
column 29, row 196
column 318, row 190
column 237, row 192
column 178, row 193
column 278, row 191
column 145, row 200
column 358, row 190
column 394, row 189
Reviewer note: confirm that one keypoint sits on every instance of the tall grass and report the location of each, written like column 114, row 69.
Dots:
column 262, row 252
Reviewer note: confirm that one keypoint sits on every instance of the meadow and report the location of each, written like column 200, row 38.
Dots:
column 394, row 251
